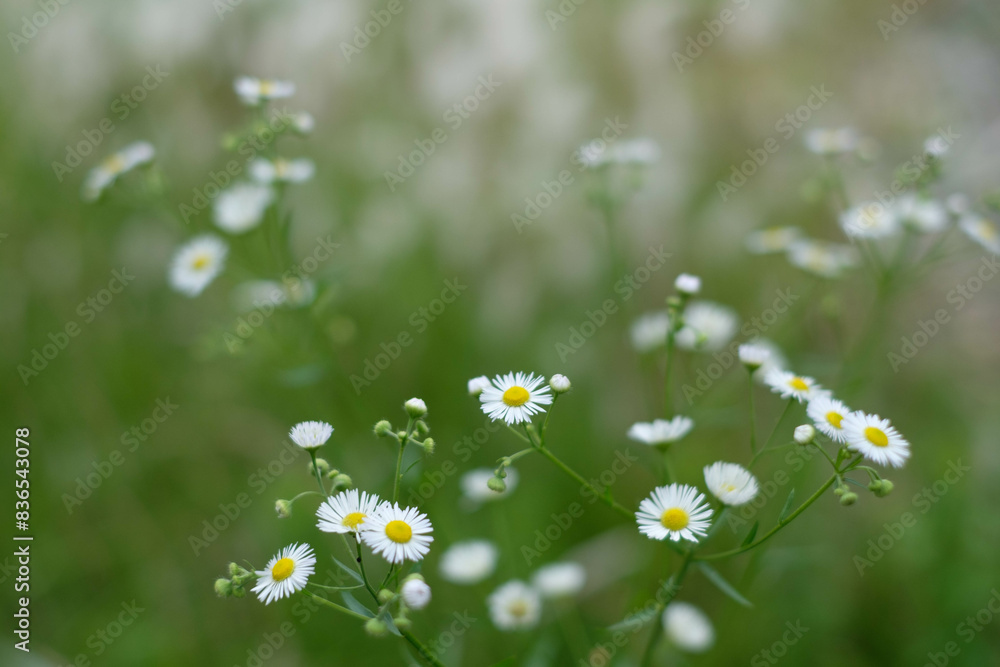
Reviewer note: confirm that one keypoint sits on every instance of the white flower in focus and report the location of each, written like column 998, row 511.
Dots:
column 560, row 383
column 474, row 486
column 832, row 141
column 677, row 511
column 661, row 431
column 286, row 573
column 828, row 415
column 687, row 627
column 707, row 326
column 469, row 562
column 559, row 580
column 772, row 239
column 515, row 606
column 113, row 166
column 876, row 439
column 869, row 221
column 282, row 170
column 310, row 435
column 753, row 356
column 398, row 534
column 687, row 284
column 346, row 512
column 476, row 385
column 253, row 91
column 924, row 215
column 790, row 385
column 649, row 331
column 196, row 264
column 241, row 207
column 731, row 483
column 416, row 593
column 515, row 398
column 982, row 231
column 827, row 260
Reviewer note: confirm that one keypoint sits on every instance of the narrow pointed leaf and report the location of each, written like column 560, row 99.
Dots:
column 752, row 534
column 786, row 510
column 353, row 604
column 713, row 575
column 351, row 572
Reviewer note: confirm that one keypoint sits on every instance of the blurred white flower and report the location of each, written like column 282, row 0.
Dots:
column 828, row 414
column 415, row 592
column 649, row 331
column 827, row 260
column 469, row 562
column 871, row 220
column 253, row 91
column 515, row 606
column 196, row 264
column 772, row 239
column 790, row 385
column 303, row 122
column 707, row 326
column 241, row 207
column 474, row 484
column 775, row 358
column 982, row 231
column 832, row 141
column 753, row 356
column 641, row 151
column 661, row 431
column 113, row 166
column 923, row 215
column 688, row 628
column 687, row 284
column 876, row 439
column 936, row 146
column 476, row 385
column 559, row 580
column 731, row 483
column 282, row 170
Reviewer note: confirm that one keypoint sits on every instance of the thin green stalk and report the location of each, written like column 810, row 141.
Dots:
column 424, row 652
column 668, row 408
column 399, row 461
column 784, row 414
column 364, row 576
column 668, row 470
column 675, row 587
column 319, row 478
column 334, row 605
column 753, row 418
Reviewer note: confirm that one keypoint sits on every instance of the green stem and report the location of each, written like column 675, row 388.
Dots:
column 784, row 414
column 364, row 577
column 424, row 652
column 668, row 470
column 319, row 478
column 604, row 496
column 334, row 605
column 668, row 410
column 675, row 588
column 753, row 419
column 399, row 461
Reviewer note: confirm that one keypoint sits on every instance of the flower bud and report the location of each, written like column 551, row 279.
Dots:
column 881, row 487
column 422, row 429
column 342, row 481
column 804, row 434
column 383, row 429
column 687, row 284
column 239, row 591
column 376, row 627
column 223, row 588
column 476, row 385
column 416, row 593
column 560, row 383
column 385, row 595
column 496, row 484
column 415, row 407
column 321, row 464
column 333, row 473
column 235, row 570
column 429, row 445
column 840, row 490
column 403, row 623
column 283, row 509
column 848, row 498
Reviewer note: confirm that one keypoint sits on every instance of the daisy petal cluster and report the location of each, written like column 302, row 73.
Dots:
column 197, row 263
column 286, row 573
column 677, row 511
column 281, row 170
column 515, row 606
column 827, row 260
column 649, row 331
column 707, row 326
column 790, row 385
column 515, row 398
column 828, row 414
column 558, row 580
column 731, row 483
column 253, row 91
column 310, row 435
column 661, row 431
column 772, row 239
column 469, row 562
column 398, row 534
column 981, row 230
column 347, row 511
column 876, row 439
column 104, row 175
column 871, row 221
column 241, row 207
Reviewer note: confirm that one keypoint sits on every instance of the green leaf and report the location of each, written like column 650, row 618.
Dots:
column 713, row 575
column 386, row 618
column 748, row 540
column 353, row 604
column 351, row 572
column 787, row 508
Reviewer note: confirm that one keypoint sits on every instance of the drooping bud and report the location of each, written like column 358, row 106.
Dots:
column 283, row 509
column 383, row 429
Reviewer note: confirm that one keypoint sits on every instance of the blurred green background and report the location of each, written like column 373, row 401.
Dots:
column 130, row 540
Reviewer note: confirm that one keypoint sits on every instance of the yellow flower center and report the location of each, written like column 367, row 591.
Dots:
column 987, row 231
column 876, row 437
column 674, row 519
column 266, row 88
column 517, row 608
column 516, row 396
column 353, row 520
column 799, row 384
column 200, row 262
column 280, row 168
column 729, row 487
column 283, row 569
column 834, row 418
column 398, row 531
column 114, row 164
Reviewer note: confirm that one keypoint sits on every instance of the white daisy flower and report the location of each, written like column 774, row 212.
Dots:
column 310, row 435
column 347, row 511
column 515, row 398
column 790, row 385
column 775, row 358
column 102, row 176
column 474, row 486
column 731, row 483
column 871, row 220
column 832, row 141
column 876, row 439
column 559, row 580
column 649, row 331
column 677, row 511
column 982, row 231
column 560, row 383
column 923, row 215
column 282, row 170
column 398, row 534
column 515, row 606
column 687, row 284
column 828, row 415
column 241, row 207
column 707, row 326
column 772, row 239
column 687, row 627
column 827, row 260
column 661, row 431
column 253, row 91
column 936, row 146
column 598, row 153
column 286, row 573
column 753, row 356
column 476, row 385
column 469, row 562
column 415, row 592
column 197, row 263
column 303, row 122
